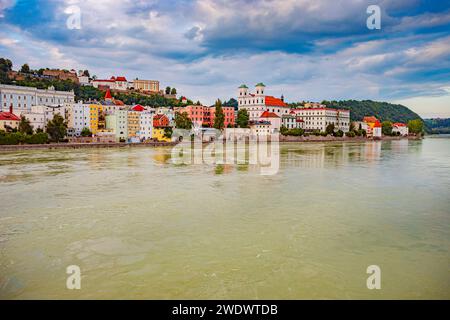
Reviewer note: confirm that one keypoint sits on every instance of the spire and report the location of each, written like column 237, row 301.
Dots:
column 282, row 97
column 108, row 95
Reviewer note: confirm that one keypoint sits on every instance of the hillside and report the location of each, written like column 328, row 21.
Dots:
column 438, row 125
column 384, row 111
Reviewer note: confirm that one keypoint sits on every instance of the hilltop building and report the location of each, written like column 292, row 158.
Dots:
column 151, row 86
column 114, row 83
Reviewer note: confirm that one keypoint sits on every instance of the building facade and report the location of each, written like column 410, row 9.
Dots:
column 39, row 116
column 319, row 118
column 256, row 103
column 146, row 85
column 145, row 125
column 203, row 116
column 79, row 118
column 8, row 121
column 23, row 98
column 400, row 128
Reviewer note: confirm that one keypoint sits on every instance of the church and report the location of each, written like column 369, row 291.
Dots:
column 256, row 103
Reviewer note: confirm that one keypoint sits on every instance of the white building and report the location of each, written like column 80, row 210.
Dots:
column 145, row 125
column 23, row 98
column 320, row 118
column 79, row 118
column 119, row 83
column 256, row 103
column 273, row 119
column 260, row 128
column 39, row 116
column 291, row 121
column 401, row 128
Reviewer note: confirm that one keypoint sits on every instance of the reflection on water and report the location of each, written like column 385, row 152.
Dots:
column 140, row 226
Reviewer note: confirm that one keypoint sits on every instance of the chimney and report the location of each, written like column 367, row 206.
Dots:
column 11, row 108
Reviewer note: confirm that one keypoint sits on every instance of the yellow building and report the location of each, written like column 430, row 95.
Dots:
column 146, row 85
column 158, row 134
column 95, row 117
column 133, row 123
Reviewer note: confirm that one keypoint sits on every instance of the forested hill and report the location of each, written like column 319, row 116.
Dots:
column 384, row 111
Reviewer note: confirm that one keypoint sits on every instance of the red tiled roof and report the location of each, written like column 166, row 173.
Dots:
column 377, row 124
column 8, row 116
column 118, row 102
column 138, row 107
column 275, row 102
column 158, row 116
column 399, row 124
column 121, row 79
column 371, row 119
column 267, row 114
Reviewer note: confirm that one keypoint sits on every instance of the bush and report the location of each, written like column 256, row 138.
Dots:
column 20, row 138
column 339, row 133
column 350, row 134
column 38, row 138
column 316, row 132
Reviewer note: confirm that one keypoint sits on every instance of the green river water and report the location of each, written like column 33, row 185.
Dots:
column 140, row 227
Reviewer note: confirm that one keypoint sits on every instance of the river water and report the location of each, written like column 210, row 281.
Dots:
column 139, row 226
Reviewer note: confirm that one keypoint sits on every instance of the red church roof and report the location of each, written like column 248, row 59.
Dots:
column 267, row 114
column 8, row 116
column 275, row 102
column 138, row 107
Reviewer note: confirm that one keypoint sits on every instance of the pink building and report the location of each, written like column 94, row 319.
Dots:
column 204, row 116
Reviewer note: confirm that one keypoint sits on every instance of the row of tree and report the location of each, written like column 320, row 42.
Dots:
column 56, row 131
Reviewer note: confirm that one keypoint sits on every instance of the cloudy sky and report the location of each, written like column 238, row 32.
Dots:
column 305, row 49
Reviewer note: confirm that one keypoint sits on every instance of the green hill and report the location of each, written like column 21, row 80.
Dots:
column 438, row 125
column 384, row 111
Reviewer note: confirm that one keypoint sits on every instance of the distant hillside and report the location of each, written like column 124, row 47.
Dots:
column 438, row 125
column 384, row 111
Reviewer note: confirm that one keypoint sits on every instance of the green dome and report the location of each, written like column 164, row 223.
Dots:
column 260, row 85
column 243, row 86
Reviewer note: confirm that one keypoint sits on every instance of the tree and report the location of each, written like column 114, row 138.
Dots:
column 386, row 128
column 25, row 68
column 5, row 65
column 168, row 132
column 173, row 91
column 415, row 126
column 182, row 121
column 219, row 116
column 57, row 128
column 24, row 126
column 86, row 73
column 167, row 90
column 329, row 129
column 242, row 118
column 86, row 132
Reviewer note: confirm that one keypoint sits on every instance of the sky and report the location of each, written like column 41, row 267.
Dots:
column 310, row 50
